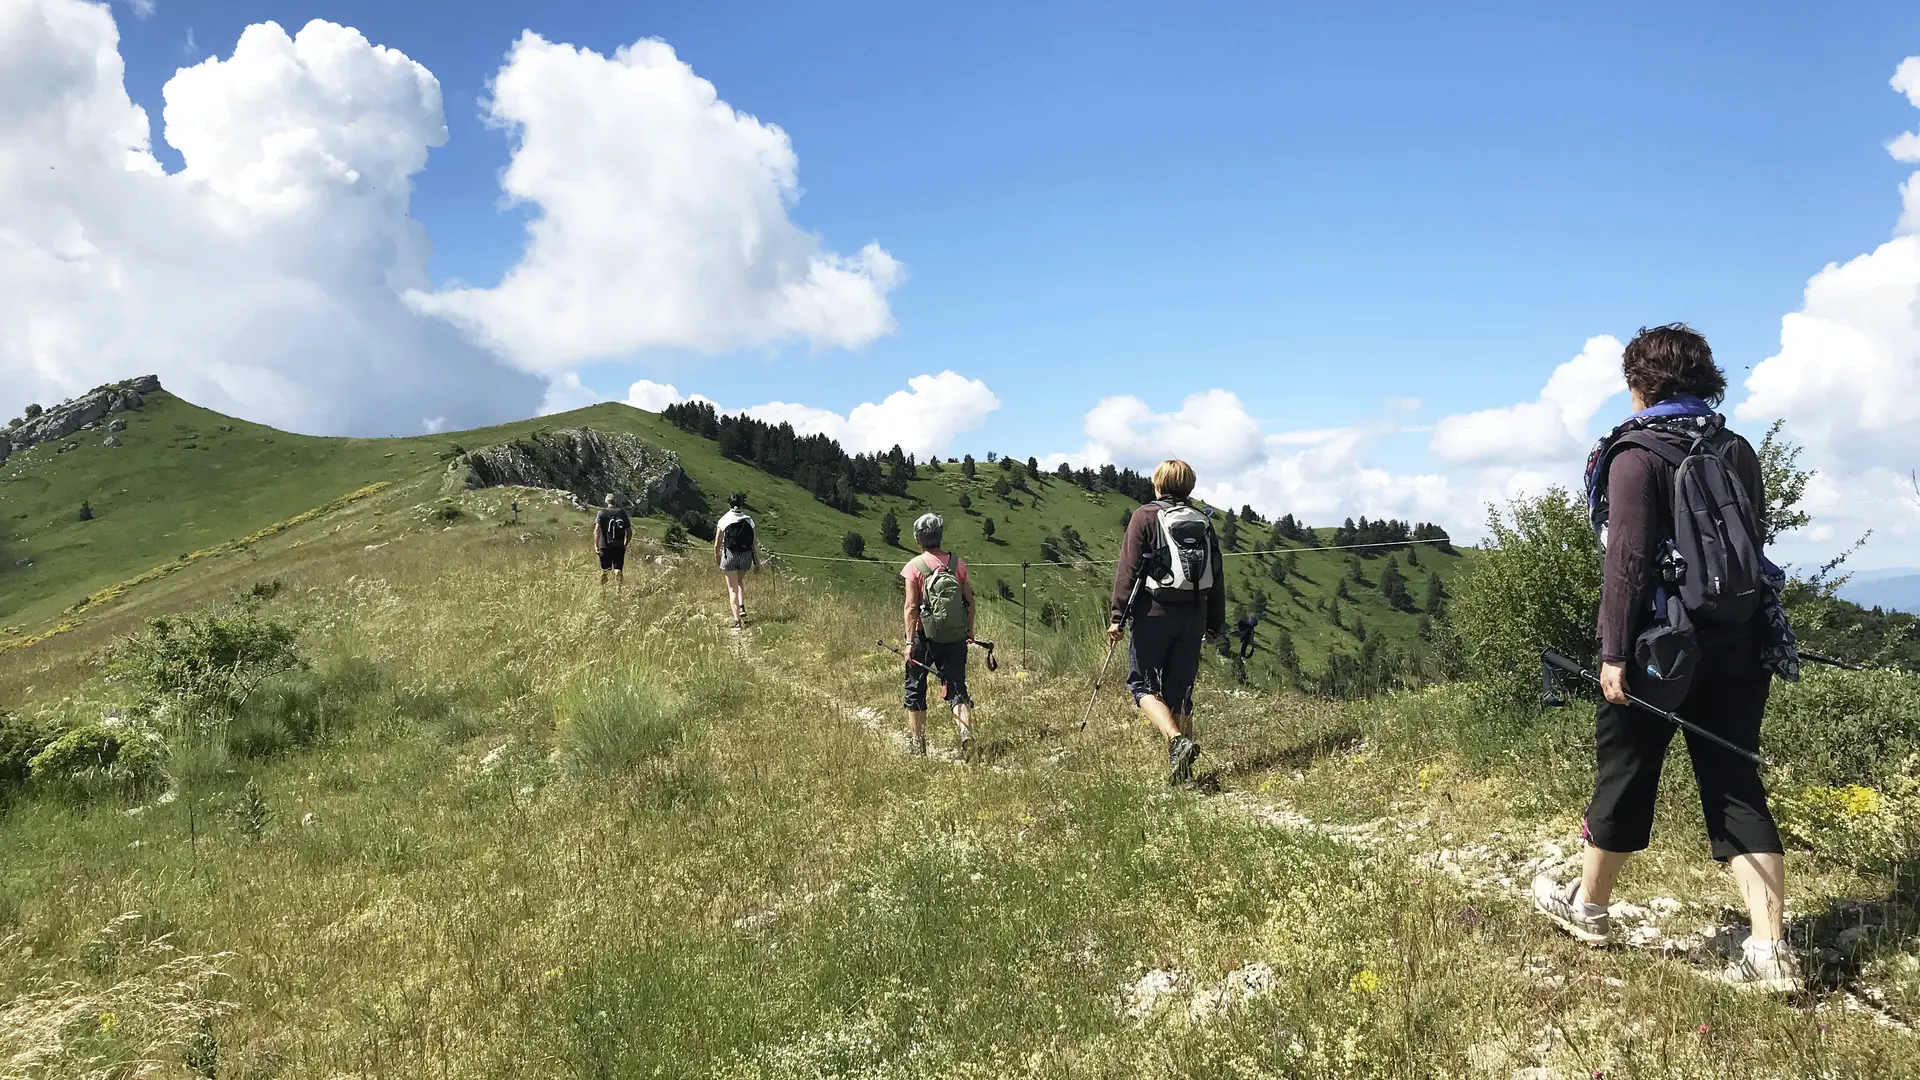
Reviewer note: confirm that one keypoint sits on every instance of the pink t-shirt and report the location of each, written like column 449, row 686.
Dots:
column 916, row 576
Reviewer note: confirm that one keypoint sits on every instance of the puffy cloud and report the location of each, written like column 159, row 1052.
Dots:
column 1847, row 377
column 264, row 278
column 1552, row 427
column 1321, row 475
column 663, row 220
column 652, row 396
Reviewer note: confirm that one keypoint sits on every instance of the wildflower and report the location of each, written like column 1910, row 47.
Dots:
column 1857, row 800
column 1426, row 777
column 1701, row 1030
column 109, row 1023
column 1364, row 982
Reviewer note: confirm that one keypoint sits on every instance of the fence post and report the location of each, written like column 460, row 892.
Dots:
column 1023, row 615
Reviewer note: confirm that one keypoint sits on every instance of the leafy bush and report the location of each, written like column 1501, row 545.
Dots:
column 21, row 738
column 614, row 728
column 1843, row 727
column 201, row 668
column 1536, row 586
column 1854, row 825
column 698, row 524
column 854, row 545
column 117, row 752
column 302, row 710
column 675, row 537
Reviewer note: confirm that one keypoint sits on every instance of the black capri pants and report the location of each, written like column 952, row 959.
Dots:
column 1163, row 655
column 949, row 660
column 1728, row 698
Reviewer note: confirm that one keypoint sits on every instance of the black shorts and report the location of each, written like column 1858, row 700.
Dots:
column 949, row 661
column 1163, row 656
column 1728, row 698
column 613, row 558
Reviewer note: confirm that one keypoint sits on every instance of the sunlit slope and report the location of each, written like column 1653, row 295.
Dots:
column 190, row 479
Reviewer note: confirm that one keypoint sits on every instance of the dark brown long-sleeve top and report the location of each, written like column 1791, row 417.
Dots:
column 1639, row 520
column 1141, row 530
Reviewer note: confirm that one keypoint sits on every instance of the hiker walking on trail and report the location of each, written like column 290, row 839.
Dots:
column 737, row 547
column 939, row 625
column 1168, row 583
column 612, row 528
column 1690, row 623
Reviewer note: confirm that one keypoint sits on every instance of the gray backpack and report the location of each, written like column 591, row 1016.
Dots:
column 1715, row 559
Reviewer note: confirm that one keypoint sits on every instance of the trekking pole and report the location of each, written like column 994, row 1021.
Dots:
column 1125, row 614
column 921, row 664
column 1829, row 661
column 1552, row 659
column 992, row 664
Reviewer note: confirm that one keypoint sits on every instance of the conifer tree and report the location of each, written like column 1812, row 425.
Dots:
column 967, row 467
column 1230, row 532
column 986, row 527
column 1436, row 605
column 966, row 502
column 1033, row 466
column 890, row 529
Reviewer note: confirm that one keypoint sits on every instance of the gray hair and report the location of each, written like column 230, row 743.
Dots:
column 928, row 529
column 610, row 497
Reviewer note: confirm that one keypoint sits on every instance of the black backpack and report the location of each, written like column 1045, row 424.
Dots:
column 615, row 530
column 1714, row 561
column 737, row 537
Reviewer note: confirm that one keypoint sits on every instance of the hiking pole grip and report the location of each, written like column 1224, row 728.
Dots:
column 1556, row 659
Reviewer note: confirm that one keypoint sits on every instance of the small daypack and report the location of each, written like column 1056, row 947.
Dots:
column 1715, row 558
column 943, row 605
column 615, row 531
column 1184, row 560
column 737, row 537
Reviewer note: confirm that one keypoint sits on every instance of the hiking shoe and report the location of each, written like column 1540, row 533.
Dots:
column 1775, row 972
column 917, row 745
column 1558, row 904
column 1181, row 753
column 965, row 750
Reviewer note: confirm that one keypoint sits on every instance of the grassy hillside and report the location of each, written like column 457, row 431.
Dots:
column 505, row 823
column 188, row 480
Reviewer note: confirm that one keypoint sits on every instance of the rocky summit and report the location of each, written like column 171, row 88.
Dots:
column 84, row 411
column 585, row 462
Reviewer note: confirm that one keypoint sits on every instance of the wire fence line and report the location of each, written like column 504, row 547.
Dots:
column 1043, row 564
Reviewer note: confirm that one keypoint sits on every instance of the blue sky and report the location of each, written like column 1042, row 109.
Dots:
column 1314, row 208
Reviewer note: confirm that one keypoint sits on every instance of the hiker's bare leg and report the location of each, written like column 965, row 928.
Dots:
column 1159, row 716
column 917, row 723
column 1599, row 869
column 1184, row 721
column 963, row 718
column 1763, row 884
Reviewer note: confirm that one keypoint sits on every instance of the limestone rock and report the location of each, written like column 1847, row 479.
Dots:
column 117, row 425
column 80, row 413
column 111, row 440
column 585, row 462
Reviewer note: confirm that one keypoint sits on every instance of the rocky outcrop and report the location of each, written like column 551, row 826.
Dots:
column 70, row 416
column 582, row 461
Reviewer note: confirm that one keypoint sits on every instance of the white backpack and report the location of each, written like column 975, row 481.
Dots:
column 1185, row 569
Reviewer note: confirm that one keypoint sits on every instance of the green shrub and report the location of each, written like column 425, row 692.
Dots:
column 615, row 728
column 202, row 667
column 1536, row 585
column 21, row 738
column 1843, row 727
column 854, row 545
column 675, row 537
column 1864, row 827
column 116, row 752
column 300, row 710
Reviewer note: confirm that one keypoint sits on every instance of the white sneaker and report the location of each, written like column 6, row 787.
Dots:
column 1775, row 972
column 1555, row 902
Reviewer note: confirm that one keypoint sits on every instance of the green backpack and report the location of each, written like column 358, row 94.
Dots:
column 943, row 607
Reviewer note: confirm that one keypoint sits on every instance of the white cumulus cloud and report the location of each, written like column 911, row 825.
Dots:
column 663, row 220
column 1847, row 378
column 264, row 278
column 1553, row 427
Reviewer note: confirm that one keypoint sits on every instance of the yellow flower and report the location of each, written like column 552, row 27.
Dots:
column 109, row 1023
column 1364, row 982
column 1857, row 800
column 1426, row 776
column 549, row 976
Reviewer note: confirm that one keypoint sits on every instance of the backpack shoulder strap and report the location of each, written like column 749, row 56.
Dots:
column 1664, row 449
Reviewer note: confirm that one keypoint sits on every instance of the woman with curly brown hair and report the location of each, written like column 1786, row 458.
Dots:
column 1675, row 386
